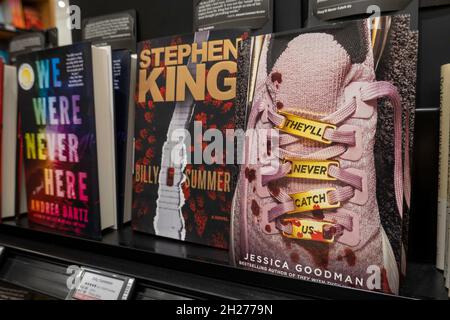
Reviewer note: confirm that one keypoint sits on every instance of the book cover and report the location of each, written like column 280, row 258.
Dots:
column 56, row 103
column 187, row 114
column 396, row 40
column 121, row 60
column 310, row 208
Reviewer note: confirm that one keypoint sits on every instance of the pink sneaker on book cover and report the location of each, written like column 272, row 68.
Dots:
column 309, row 209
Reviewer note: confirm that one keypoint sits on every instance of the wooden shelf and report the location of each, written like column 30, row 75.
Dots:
column 47, row 10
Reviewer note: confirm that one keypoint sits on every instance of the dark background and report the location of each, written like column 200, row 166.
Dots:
column 158, row 18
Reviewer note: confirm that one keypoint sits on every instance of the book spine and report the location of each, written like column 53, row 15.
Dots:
column 445, row 97
column 443, row 166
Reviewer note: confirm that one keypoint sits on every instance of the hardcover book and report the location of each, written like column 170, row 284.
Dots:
column 66, row 107
column 317, row 206
column 10, row 162
column 187, row 114
column 444, row 143
column 124, row 73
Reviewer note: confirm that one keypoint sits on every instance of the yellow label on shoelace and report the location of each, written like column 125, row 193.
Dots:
column 313, row 200
column 313, row 170
column 310, row 230
column 304, row 128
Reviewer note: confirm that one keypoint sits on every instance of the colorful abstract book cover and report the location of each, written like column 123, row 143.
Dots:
column 311, row 208
column 56, row 103
column 188, row 110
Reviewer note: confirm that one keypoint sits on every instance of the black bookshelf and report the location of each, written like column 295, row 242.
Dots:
column 189, row 269
column 7, row 32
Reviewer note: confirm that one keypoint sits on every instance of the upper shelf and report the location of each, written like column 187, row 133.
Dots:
column 7, row 32
column 46, row 9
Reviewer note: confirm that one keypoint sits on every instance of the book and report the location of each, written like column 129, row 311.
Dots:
column 4, row 56
column 391, row 30
column 187, row 102
column 124, row 72
column 307, row 204
column 10, row 162
column 13, row 13
column 33, row 18
column 443, row 233
column 444, row 143
column 2, row 16
column 67, row 124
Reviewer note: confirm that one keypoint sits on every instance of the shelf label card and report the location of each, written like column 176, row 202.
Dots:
column 98, row 285
column 116, row 30
column 335, row 9
column 219, row 14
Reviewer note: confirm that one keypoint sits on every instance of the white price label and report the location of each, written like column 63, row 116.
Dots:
column 93, row 286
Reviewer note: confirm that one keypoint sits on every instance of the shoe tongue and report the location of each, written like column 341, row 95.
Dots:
column 312, row 71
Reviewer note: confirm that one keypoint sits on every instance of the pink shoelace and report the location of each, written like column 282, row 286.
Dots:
column 341, row 141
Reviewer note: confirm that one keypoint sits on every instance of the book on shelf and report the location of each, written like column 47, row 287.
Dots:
column 33, row 18
column 443, row 179
column 13, row 13
column 10, row 162
column 124, row 72
column 187, row 90
column 443, row 233
column 67, row 123
column 294, row 214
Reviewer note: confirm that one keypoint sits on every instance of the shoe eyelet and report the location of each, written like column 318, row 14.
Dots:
column 361, row 196
column 363, row 110
column 353, row 153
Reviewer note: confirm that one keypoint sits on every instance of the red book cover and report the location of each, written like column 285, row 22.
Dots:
column 33, row 19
